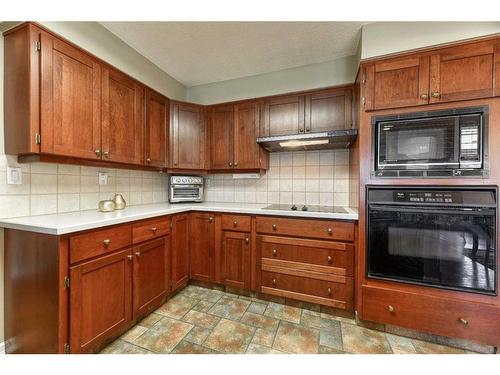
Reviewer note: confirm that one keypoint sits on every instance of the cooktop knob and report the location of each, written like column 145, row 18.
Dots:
column 304, row 208
column 294, row 208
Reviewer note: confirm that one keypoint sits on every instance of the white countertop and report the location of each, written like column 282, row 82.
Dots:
column 82, row 220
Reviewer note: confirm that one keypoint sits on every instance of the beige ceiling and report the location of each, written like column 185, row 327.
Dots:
column 197, row 53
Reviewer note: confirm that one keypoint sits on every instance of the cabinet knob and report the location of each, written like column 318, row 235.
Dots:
column 275, row 252
column 329, row 290
column 329, row 230
column 463, row 321
column 436, row 95
column 329, row 259
column 301, row 130
column 235, row 164
column 230, row 163
column 274, row 227
column 106, row 242
column 391, row 308
column 106, row 154
column 138, row 254
column 235, row 223
column 175, row 163
column 148, row 160
column 424, row 96
column 308, row 130
column 154, row 229
column 274, row 281
column 129, row 257
column 210, row 219
column 247, row 240
column 98, row 152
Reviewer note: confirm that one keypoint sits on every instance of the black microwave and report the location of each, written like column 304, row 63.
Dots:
column 444, row 143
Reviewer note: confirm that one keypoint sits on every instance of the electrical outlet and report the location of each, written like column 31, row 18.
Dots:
column 14, row 176
column 103, row 178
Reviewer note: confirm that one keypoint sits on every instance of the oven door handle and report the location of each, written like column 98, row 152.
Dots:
column 440, row 211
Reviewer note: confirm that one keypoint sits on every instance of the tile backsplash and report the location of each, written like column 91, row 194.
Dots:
column 54, row 188
column 308, row 177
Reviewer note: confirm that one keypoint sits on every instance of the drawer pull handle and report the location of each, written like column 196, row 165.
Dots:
column 329, row 259
column 154, row 229
column 106, row 242
column 274, row 282
column 424, row 96
column 106, row 154
column 274, row 227
column 463, row 321
column 329, row 290
column 391, row 308
column 98, row 153
column 436, row 95
column 247, row 240
column 230, row 164
column 129, row 257
column 235, row 223
column 138, row 254
column 329, row 230
column 148, row 160
column 210, row 219
column 275, row 252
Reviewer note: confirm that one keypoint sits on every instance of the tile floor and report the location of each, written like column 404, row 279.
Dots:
column 199, row 320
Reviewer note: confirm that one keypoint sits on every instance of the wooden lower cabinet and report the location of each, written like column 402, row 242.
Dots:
column 201, row 244
column 235, row 259
column 180, row 251
column 100, row 300
column 151, row 275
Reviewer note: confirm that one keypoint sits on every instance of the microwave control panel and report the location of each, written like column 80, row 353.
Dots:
column 428, row 197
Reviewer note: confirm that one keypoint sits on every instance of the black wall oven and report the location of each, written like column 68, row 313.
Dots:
column 445, row 143
column 441, row 237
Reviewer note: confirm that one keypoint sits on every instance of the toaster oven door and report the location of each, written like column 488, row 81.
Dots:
column 185, row 193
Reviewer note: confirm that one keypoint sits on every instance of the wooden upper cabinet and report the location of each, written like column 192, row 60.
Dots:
column 70, row 107
column 100, row 300
column 328, row 110
column 246, row 149
column 464, row 72
column 401, row 82
column 283, row 115
column 222, row 135
column 187, row 140
column 155, row 145
column 122, row 118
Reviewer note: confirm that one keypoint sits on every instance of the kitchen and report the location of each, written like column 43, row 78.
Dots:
column 345, row 205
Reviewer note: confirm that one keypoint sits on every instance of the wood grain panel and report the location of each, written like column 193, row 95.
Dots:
column 150, row 229
column 222, row 136
column 156, row 129
column 246, row 149
column 235, row 259
column 237, row 223
column 202, row 246
column 180, row 251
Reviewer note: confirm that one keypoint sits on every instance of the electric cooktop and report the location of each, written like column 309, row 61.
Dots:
column 311, row 208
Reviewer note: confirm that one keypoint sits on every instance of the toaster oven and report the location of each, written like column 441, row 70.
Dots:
column 185, row 189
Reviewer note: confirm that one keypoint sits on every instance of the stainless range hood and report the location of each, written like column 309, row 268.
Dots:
column 312, row 141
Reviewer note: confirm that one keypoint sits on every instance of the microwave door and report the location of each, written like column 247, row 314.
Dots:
column 419, row 144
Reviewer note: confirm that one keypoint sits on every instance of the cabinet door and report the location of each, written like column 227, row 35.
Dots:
column 202, row 235
column 187, row 136
column 222, row 141
column 155, row 145
column 180, row 251
column 246, row 149
column 464, row 72
column 284, row 115
column 70, row 112
column 122, row 118
column 150, row 275
column 397, row 83
column 235, row 259
column 328, row 110
column 100, row 300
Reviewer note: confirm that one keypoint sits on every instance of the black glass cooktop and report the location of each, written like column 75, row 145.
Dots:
column 311, row 208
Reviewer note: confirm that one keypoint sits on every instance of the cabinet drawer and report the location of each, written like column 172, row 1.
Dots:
column 88, row 245
column 336, row 294
column 154, row 228
column 336, row 255
column 446, row 317
column 236, row 223
column 325, row 229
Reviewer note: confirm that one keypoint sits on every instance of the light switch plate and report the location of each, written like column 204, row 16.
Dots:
column 103, row 178
column 14, row 176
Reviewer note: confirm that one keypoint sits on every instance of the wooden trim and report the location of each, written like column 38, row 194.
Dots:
column 316, row 271
column 322, row 244
column 304, row 297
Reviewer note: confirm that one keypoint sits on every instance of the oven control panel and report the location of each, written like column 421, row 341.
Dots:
column 428, row 197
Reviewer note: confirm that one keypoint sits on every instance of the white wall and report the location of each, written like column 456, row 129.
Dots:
column 382, row 38
column 332, row 73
